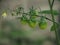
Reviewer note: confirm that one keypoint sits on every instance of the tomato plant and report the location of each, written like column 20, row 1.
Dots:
column 31, row 16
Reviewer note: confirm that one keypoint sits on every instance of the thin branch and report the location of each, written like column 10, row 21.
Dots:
column 56, row 33
column 49, row 3
column 48, row 19
column 52, row 3
column 42, row 16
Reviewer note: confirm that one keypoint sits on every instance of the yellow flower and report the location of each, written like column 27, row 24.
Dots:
column 4, row 14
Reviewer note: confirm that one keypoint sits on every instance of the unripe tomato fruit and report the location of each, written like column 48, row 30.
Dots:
column 23, row 20
column 32, row 24
column 43, row 25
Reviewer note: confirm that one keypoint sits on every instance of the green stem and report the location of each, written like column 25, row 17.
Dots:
column 51, row 9
column 42, row 16
column 56, row 33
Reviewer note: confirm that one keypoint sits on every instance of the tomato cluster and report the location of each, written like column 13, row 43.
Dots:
column 31, row 17
column 32, row 22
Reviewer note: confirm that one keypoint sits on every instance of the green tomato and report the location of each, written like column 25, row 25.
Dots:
column 43, row 25
column 23, row 20
column 32, row 24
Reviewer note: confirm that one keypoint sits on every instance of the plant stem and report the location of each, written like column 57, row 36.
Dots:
column 56, row 33
column 42, row 16
column 51, row 9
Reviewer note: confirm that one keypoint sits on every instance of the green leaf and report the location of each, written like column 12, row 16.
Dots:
column 55, row 12
column 52, row 27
